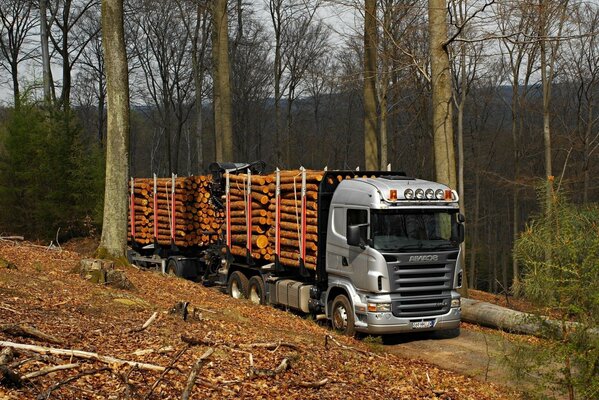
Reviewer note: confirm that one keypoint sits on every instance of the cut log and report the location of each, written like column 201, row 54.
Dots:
column 494, row 316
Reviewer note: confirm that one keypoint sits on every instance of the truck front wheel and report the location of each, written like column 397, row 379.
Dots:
column 237, row 285
column 256, row 290
column 342, row 316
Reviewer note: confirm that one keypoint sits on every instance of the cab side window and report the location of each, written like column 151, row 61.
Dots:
column 357, row 217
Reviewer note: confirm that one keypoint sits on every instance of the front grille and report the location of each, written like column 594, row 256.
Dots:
column 425, row 289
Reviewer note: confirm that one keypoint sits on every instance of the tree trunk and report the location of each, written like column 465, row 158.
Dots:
column 441, row 90
column 222, row 86
column 370, row 114
column 46, row 71
column 114, row 227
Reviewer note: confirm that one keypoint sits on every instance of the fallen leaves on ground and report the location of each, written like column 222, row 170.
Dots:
column 43, row 292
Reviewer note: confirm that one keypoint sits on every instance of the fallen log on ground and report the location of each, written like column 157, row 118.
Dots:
column 494, row 316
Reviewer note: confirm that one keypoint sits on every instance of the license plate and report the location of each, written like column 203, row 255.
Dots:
column 422, row 324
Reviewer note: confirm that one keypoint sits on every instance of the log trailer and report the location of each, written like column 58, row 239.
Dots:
column 377, row 252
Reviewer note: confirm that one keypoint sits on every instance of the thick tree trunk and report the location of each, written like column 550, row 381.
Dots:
column 222, row 86
column 114, row 227
column 370, row 114
column 441, row 87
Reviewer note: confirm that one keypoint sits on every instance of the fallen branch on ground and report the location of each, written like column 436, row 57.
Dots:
column 194, row 373
column 268, row 346
column 168, row 368
column 316, row 384
column 331, row 338
column 10, row 309
column 47, row 394
column 28, row 331
column 283, row 366
column 146, row 324
column 49, row 370
column 81, row 354
column 7, row 375
column 12, row 238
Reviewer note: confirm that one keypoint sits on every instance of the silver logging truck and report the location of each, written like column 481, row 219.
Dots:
column 377, row 252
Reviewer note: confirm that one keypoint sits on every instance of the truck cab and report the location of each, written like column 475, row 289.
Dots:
column 392, row 256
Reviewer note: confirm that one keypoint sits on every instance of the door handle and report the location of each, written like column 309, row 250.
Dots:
column 344, row 261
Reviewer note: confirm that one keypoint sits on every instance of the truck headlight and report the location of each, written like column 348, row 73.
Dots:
column 455, row 303
column 379, row 307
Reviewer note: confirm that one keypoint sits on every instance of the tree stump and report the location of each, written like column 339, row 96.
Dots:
column 103, row 272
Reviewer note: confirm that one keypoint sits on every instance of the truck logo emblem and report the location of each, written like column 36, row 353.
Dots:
column 431, row 257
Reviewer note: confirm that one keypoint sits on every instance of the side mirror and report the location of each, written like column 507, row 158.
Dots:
column 354, row 237
column 461, row 218
column 461, row 234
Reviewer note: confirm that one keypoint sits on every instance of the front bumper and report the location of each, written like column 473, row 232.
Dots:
column 385, row 322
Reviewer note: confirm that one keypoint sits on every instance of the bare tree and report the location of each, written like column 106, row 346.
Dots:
column 198, row 30
column 114, row 226
column 161, row 47
column 516, row 22
column 371, row 143
column 68, row 38
column 223, row 125
column 17, row 21
column 442, row 91
column 91, row 78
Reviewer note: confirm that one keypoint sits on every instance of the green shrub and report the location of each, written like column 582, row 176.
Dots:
column 559, row 250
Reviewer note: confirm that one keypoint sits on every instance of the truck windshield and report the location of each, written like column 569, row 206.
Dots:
column 408, row 230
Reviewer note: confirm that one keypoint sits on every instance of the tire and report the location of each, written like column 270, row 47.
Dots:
column 172, row 267
column 237, row 286
column 256, row 291
column 342, row 316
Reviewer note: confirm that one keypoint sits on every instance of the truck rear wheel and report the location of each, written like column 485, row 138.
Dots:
column 256, row 292
column 172, row 267
column 342, row 316
column 237, row 285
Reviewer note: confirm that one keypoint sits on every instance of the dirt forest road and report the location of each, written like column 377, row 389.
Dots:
column 479, row 353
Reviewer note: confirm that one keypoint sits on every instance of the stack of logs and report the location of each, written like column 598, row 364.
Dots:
column 198, row 221
column 263, row 216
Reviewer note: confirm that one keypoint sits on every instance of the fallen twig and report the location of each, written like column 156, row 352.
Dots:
column 81, row 354
column 268, row 346
column 12, row 238
column 47, row 394
column 49, row 370
column 363, row 352
column 28, row 331
column 316, row 384
column 146, row 324
column 10, row 309
column 206, row 342
column 194, row 373
column 283, row 366
column 168, row 368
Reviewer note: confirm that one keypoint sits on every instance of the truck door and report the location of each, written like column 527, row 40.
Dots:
column 343, row 260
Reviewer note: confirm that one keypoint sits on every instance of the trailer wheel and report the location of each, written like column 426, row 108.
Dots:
column 256, row 292
column 172, row 267
column 342, row 316
column 238, row 285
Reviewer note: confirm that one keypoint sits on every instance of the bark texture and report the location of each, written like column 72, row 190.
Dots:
column 442, row 91
column 370, row 115
column 114, row 226
column 222, row 85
